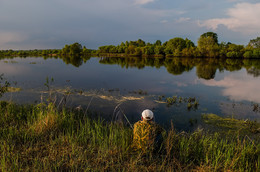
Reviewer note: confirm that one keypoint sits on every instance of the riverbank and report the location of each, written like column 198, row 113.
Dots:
column 43, row 138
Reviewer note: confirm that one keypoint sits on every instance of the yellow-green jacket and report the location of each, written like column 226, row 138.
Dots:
column 145, row 134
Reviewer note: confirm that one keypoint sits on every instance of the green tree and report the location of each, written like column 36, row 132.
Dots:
column 234, row 50
column 175, row 45
column 158, row 43
column 189, row 43
column 256, row 53
column 138, row 51
column 248, row 54
column 212, row 35
column 158, row 49
column 140, row 43
column 85, row 51
column 208, row 46
column 131, row 49
column 255, row 43
column 148, row 49
column 73, row 49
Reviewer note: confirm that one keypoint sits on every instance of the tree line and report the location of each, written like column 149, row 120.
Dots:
column 207, row 46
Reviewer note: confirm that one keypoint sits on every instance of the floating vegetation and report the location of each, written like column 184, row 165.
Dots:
column 232, row 124
column 12, row 61
column 32, row 62
column 100, row 94
column 140, row 92
column 189, row 106
column 13, row 89
column 160, row 98
column 192, row 103
column 171, row 100
column 113, row 90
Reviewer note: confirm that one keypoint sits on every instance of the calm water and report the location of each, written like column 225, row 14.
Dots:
column 224, row 87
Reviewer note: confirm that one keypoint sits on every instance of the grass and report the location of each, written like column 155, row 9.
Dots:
column 231, row 124
column 42, row 138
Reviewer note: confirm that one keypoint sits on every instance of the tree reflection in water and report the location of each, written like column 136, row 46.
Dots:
column 205, row 67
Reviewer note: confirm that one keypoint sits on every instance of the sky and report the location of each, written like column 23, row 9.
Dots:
column 50, row 24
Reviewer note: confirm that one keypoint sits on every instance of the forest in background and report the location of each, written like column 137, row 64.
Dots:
column 207, row 46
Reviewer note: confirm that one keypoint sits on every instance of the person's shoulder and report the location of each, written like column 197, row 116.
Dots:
column 137, row 123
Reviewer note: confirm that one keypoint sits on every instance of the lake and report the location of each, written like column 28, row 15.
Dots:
column 117, row 87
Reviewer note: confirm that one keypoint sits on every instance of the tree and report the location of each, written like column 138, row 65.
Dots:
column 212, row 35
column 189, row 43
column 248, row 54
column 175, row 45
column 140, row 43
column 208, row 46
column 138, row 51
column 255, row 43
column 256, row 53
column 158, row 43
column 85, row 51
column 158, row 49
column 73, row 49
column 234, row 50
column 148, row 49
column 131, row 49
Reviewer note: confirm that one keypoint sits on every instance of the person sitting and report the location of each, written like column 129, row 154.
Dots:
column 147, row 134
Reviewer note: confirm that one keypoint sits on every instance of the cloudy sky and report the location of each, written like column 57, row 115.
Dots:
column 40, row 24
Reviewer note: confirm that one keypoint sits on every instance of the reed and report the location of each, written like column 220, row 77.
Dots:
column 43, row 138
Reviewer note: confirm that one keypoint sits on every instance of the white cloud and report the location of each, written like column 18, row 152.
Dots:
column 142, row 2
column 244, row 17
column 183, row 19
column 164, row 21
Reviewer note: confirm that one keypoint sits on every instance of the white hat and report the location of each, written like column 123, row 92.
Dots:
column 147, row 115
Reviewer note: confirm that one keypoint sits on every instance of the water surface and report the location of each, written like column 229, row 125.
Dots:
column 226, row 87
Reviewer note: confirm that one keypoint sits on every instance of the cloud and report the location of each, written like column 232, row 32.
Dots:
column 244, row 17
column 183, row 19
column 10, row 37
column 164, row 21
column 142, row 2
column 237, row 88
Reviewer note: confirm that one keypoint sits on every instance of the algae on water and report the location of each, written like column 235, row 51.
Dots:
column 13, row 89
column 232, row 124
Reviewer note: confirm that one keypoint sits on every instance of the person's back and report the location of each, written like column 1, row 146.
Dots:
column 146, row 133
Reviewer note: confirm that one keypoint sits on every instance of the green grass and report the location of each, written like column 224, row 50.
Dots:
column 231, row 124
column 42, row 138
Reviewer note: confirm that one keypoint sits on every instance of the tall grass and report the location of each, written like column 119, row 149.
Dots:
column 41, row 138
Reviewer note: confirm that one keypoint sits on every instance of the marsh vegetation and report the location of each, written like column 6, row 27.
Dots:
column 41, row 137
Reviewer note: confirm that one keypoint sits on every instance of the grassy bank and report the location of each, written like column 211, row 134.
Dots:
column 42, row 138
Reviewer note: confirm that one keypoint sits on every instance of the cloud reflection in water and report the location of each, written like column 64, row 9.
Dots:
column 237, row 86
